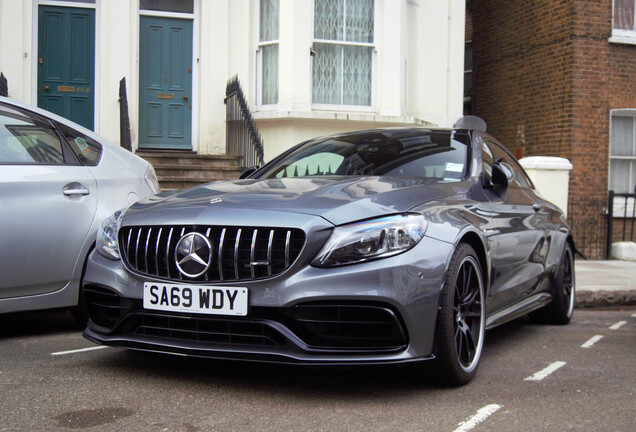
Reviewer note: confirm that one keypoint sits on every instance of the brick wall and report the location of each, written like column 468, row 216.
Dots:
column 545, row 79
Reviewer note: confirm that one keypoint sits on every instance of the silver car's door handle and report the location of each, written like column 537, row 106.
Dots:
column 78, row 191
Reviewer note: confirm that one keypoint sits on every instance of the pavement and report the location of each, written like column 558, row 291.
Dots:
column 605, row 283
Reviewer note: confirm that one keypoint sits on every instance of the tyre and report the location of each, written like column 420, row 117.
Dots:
column 80, row 312
column 561, row 308
column 462, row 319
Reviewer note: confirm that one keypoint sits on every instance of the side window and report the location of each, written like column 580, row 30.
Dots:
column 487, row 161
column 24, row 141
column 87, row 150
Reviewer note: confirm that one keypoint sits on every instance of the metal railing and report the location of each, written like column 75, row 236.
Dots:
column 4, row 86
column 242, row 137
column 625, row 215
column 124, row 121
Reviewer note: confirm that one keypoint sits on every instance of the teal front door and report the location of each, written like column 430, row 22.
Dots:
column 165, row 83
column 66, row 62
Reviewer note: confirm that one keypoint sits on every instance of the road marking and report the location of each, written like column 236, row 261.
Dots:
column 545, row 372
column 633, row 315
column 481, row 415
column 618, row 325
column 592, row 341
column 79, row 350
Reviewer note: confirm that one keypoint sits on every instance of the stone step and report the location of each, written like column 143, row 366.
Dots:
column 197, row 171
column 179, row 182
column 187, row 158
column 179, row 169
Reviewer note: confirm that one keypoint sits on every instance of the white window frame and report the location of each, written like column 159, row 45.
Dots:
column 622, row 113
column 620, row 203
column 621, row 35
column 258, row 97
column 374, row 65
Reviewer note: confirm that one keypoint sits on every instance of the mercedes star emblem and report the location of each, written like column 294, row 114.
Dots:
column 193, row 254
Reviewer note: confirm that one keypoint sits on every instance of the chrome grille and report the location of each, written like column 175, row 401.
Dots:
column 238, row 253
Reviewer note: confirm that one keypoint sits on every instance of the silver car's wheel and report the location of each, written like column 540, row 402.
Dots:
column 462, row 319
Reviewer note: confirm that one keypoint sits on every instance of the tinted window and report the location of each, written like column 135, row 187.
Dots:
column 26, row 141
column 429, row 154
column 88, row 151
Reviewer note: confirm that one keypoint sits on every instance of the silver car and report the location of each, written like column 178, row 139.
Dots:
column 372, row 247
column 58, row 181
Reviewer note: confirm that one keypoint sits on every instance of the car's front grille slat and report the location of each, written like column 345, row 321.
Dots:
column 220, row 260
column 269, row 252
column 236, row 253
column 157, row 251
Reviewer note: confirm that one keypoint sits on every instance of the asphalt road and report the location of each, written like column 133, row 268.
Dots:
column 578, row 377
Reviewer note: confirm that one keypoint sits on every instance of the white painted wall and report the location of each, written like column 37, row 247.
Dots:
column 16, row 39
column 418, row 74
column 418, row 77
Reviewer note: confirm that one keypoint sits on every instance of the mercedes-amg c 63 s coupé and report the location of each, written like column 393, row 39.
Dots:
column 374, row 247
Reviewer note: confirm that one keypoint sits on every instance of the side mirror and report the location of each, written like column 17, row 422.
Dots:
column 502, row 174
column 248, row 172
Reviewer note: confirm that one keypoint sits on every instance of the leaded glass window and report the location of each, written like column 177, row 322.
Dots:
column 343, row 51
column 624, row 12
column 268, row 50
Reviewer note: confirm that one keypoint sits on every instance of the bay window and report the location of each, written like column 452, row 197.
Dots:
column 343, row 52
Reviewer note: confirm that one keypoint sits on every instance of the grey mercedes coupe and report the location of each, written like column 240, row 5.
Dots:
column 373, row 247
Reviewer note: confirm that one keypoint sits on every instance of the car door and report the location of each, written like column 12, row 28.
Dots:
column 517, row 238
column 47, row 202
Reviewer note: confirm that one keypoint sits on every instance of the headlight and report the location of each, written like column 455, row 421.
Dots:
column 106, row 242
column 372, row 239
column 151, row 180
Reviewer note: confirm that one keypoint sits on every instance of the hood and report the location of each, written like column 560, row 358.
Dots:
column 338, row 200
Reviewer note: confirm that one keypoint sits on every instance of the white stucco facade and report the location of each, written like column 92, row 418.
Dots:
column 417, row 66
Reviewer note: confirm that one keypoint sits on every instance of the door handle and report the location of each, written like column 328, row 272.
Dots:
column 536, row 207
column 76, row 191
column 46, row 88
column 185, row 97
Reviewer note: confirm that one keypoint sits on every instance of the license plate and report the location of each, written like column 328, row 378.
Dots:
column 195, row 299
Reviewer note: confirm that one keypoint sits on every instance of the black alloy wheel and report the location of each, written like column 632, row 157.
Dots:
column 462, row 319
column 561, row 308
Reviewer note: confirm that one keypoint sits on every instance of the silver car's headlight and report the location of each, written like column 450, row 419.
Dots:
column 371, row 239
column 106, row 242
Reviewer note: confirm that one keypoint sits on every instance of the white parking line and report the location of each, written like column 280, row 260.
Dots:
column 79, row 350
column 633, row 315
column 592, row 341
column 481, row 415
column 618, row 325
column 545, row 372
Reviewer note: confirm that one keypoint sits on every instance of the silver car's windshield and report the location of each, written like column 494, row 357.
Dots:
column 427, row 154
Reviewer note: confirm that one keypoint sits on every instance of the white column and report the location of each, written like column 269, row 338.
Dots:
column 294, row 61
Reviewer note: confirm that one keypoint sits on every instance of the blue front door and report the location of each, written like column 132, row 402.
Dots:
column 165, row 83
column 66, row 62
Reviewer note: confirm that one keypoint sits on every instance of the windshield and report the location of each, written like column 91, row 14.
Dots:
column 425, row 153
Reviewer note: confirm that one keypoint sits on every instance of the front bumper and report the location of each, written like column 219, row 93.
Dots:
column 378, row 312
